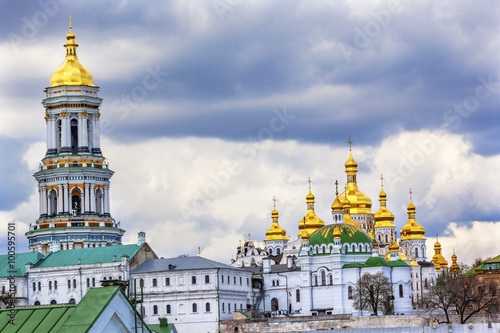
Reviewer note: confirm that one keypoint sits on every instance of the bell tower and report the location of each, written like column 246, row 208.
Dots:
column 73, row 177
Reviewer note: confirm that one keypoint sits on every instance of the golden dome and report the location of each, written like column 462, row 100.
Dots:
column 311, row 222
column 337, row 233
column 275, row 232
column 374, row 244
column 393, row 247
column 401, row 255
column 383, row 218
column 347, row 214
column 454, row 266
column 414, row 263
column 412, row 230
column 360, row 202
column 304, row 235
column 437, row 258
column 71, row 72
column 337, row 204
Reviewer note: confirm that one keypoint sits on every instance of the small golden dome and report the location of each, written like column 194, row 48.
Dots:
column 336, row 232
column 414, row 263
column 374, row 244
column 437, row 258
column 383, row 218
column 311, row 222
column 347, row 214
column 454, row 266
column 337, row 204
column 412, row 230
column 275, row 232
column 304, row 235
column 71, row 72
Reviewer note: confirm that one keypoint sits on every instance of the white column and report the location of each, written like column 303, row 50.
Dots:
column 86, row 198
column 83, row 136
column 96, row 141
column 49, row 134
column 60, row 207
column 66, row 196
column 53, row 132
column 43, row 199
column 106, row 199
column 65, row 135
column 92, row 207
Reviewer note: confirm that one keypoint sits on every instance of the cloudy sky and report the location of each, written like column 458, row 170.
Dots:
column 211, row 107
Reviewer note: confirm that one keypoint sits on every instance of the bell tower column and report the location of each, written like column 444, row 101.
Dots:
column 83, row 144
column 96, row 145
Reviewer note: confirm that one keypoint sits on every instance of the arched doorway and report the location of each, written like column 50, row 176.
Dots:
column 274, row 304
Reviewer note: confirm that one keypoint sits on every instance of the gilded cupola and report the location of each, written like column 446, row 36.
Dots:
column 360, row 202
column 275, row 232
column 383, row 218
column 438, row 260
column 454, row 266
column 311, row 222
column 71, row 72
column 412, row 230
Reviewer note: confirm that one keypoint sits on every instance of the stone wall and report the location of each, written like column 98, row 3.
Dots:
column 302, row 324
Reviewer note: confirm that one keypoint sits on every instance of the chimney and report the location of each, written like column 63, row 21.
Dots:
column 141, row 238
column 28, row 266
column 163, row 322
column 289, row 262
column 114, row 258
column 266, row 265
column 79, row 261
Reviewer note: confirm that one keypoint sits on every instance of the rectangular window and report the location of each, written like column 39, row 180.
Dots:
column 241, row 281
column 154, row 282
column 167, row 281
column 222, row 276
column 207, row 278
column 248, row 281
column 193, row 280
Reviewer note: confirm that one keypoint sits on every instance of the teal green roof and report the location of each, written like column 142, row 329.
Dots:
column 157, row 329
column 495, row 260
column 91, row 255
column 36, row 319
column 19, row 264
column 377, row 262
column 89, row 309
column 348, row 234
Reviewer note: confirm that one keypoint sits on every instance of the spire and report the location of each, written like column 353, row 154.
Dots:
column 337, row 204
column 199, row 252
column 310, row 197
column 454, row 266
column 311, row 222
column 383, row 218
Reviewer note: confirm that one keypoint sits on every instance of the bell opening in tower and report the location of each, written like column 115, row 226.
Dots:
column 74, row 136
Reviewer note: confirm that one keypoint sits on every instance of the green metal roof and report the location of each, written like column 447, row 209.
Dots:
column 18, row 267
column 36, row 319
column 91, row 255
column 157, row 329
column 473, row 271
column 377, row 261
column 89, row 309
column 348, row 234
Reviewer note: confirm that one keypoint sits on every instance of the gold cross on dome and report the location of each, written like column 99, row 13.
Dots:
column 336, row 187
column 382, row 179
column 410, row 194
column 274, row 200
column 350, row 142
column 70, row 21
column 309, row 181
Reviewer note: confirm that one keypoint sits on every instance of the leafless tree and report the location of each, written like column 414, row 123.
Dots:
column 373, row 292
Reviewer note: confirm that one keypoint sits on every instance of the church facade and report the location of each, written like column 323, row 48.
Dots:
column 316, row 271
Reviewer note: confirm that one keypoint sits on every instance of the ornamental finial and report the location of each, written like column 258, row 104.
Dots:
column 309, row 181
column 410, row 194
column 70, row 21
column 336, row 188
column 382, row 180
column 274, row 200
column 350, row 142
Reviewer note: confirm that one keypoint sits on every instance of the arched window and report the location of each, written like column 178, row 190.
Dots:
column 416, row 252
column 195, row 307
column 36, row 303
column 34, row 286
column 59, row 135
column 181, row 308
column 53, row 302
column 380, row 238
column 277, row 283
column 75, row 203
column 55, row 285
column 354, row 248
column 274, row 304
column 39, row 286
column 74, row 283
column 72, row 301
column 69, row 284
column 297, row 295
column 387, row 238
column 98, row 201
column 169, row 309
column 74, row 136
column 228, row 307
column 207, row 307
column 274, row 283
column 88, row 282
column 93, row 282
column 53, row 203
column 270, row 252
column 278, row 251
column 323, row 278
column 155, row 309
column 323, row 249
column 223, row 307
column 50, row 285
column 349, row 292
column 331, row 279
column 331, row 248
column 401, row 291
column 346, row 249
column 316, row 280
